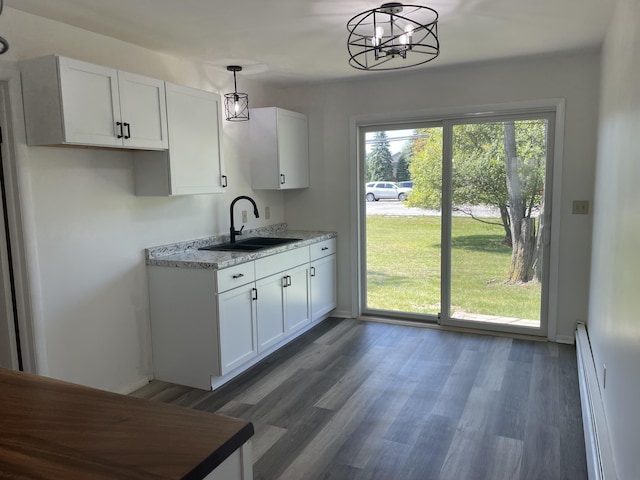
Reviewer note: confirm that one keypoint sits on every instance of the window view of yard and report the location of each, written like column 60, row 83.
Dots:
column 403, row 268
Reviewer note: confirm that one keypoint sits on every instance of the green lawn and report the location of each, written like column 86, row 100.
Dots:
column 403, row 259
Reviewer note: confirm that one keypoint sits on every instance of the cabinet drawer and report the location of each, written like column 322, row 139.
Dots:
column 235, row 276
column 281, row 261
column 322, row 249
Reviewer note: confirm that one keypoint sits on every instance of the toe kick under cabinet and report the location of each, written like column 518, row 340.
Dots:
column 208, row 326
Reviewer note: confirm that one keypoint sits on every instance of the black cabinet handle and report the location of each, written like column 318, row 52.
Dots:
column 284, row 282
column 224, row 181
column 288, row 281
column 282, row 179
column 313, row 271
column 254, row 292
column 324, row 248
column 128, row 134
column 119, row 125
column 238, row 275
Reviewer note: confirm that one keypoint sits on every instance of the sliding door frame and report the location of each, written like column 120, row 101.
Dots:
column 447, row 192
column 362, row 221
column 455, row 115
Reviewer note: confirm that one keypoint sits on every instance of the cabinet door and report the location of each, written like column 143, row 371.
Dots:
column 323, row 286
column 143, row 110
column 296, row 296
column 91, row 103
column 270, row 311
column 237, row 327
column 195, row 129
column 293, row 150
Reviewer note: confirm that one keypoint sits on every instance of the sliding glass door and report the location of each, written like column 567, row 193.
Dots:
column 402, row 248
column 455, row 224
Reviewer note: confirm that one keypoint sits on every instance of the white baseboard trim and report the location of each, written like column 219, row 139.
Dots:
column 568, row 339
column 600, row 464
column 132, row 387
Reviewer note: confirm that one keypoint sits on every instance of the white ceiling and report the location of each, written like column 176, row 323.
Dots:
column 296, row 41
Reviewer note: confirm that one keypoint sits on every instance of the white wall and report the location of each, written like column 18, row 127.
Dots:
column 89, row 229
column 614, row 318
column 325, row 205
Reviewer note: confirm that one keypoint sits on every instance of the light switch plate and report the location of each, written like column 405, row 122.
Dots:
column 580, row 207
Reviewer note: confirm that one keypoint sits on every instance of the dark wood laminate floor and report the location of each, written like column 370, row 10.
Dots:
column 361, row 400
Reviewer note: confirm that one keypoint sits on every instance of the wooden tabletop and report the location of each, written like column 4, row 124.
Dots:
column 53, row 429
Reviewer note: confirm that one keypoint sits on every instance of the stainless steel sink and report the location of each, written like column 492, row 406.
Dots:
column 250, row 244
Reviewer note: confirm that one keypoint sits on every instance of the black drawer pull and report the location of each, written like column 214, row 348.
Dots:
column 324, row 248
column 238, row 275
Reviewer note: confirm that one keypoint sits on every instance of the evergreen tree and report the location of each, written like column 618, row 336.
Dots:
column 402, row 169
column 379, row 160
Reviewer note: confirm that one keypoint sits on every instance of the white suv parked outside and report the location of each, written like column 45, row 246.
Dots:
column 377, row 190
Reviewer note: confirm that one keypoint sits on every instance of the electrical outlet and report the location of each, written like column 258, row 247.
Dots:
column 604, row 376
column 267, row 213
column 580, row 207
column 244, row 216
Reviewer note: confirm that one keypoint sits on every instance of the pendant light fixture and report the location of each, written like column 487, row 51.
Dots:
column 393, row 36
column 236, row 104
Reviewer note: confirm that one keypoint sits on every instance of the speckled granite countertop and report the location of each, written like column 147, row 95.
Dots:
column 187, row 255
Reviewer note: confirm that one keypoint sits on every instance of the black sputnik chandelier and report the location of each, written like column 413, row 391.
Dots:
column 393, row 36
column 236, row 104
column 4, row 45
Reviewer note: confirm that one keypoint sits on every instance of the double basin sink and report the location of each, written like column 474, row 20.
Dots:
column 251, row 244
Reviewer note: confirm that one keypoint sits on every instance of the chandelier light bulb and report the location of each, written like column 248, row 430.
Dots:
column 408, row 30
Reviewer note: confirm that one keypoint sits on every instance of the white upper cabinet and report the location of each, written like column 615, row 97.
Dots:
column 193, row 164
column 280, row 149
column 69, row 102
column 143, row 111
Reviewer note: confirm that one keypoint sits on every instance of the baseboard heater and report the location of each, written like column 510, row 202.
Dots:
column 600, row 463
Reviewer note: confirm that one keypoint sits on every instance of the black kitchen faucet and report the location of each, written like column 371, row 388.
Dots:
column 232, row 231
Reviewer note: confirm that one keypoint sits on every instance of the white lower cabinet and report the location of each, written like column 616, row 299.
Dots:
column 237, row 327
column 283, row 305
column 209, row 325
column 323, row 286
column 283, row 297
column 269, row 308
column 322, row 273
column 296, row 299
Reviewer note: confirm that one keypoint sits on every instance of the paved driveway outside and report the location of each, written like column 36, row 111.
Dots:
column 395, row 208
